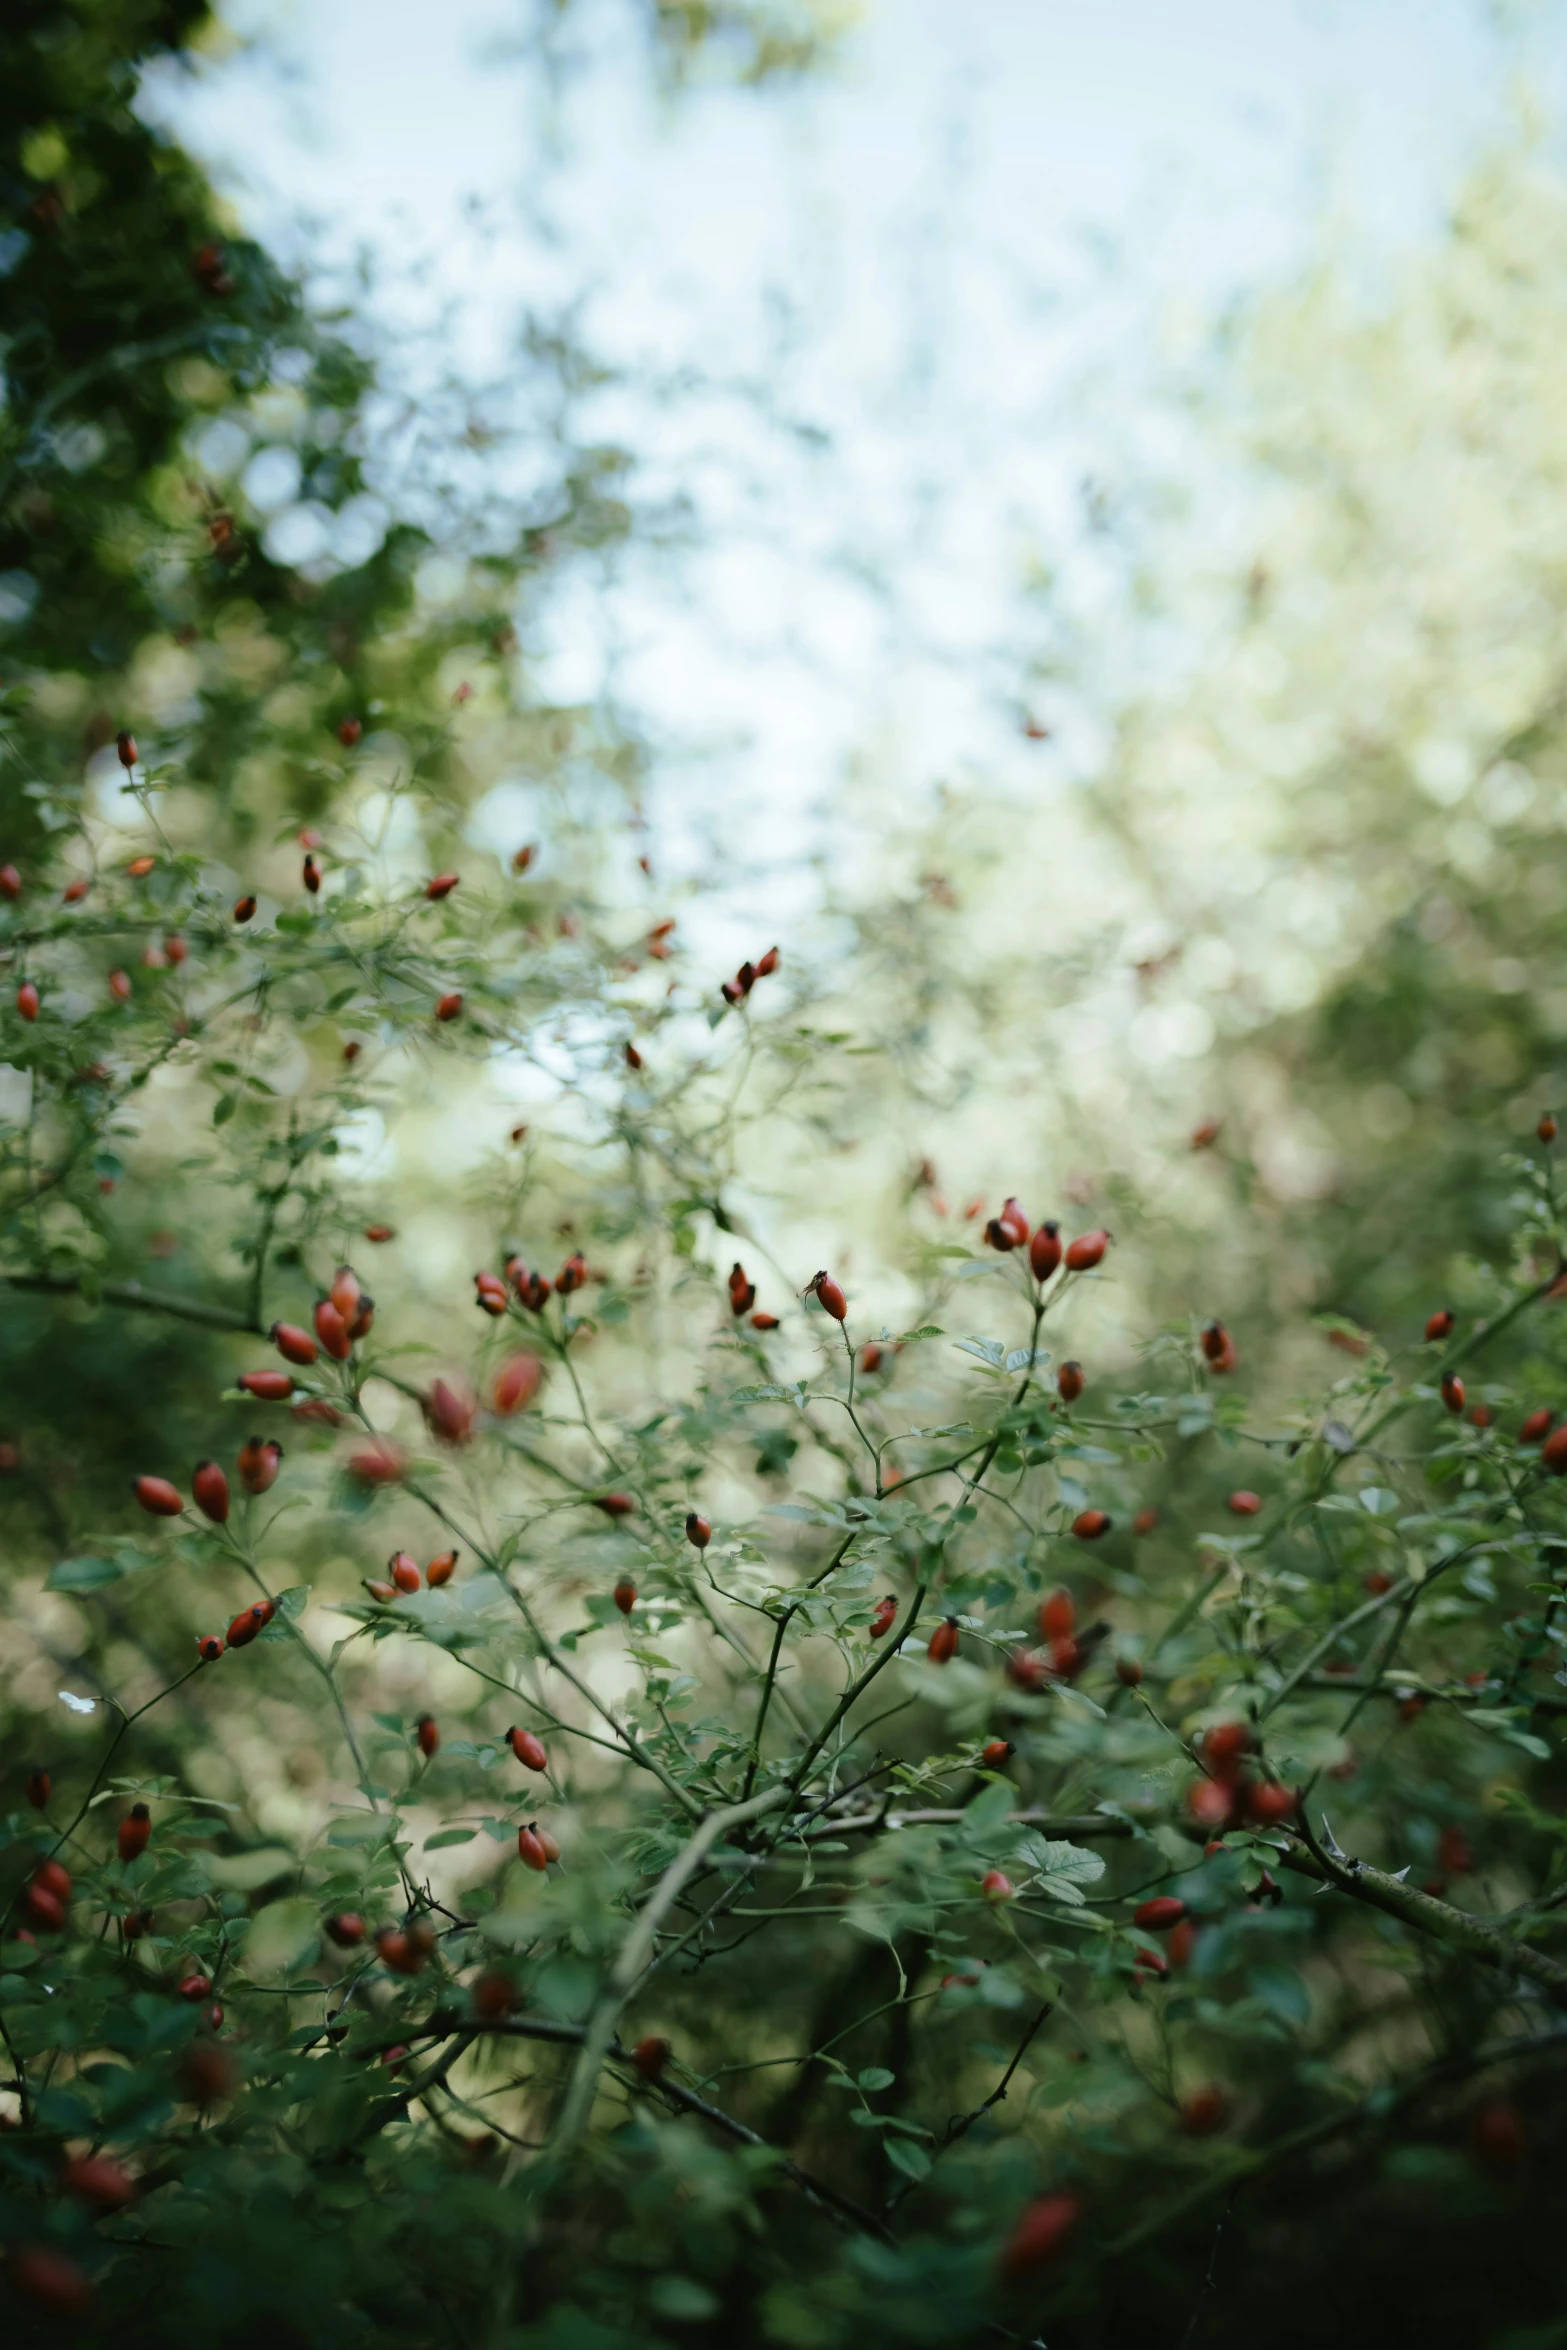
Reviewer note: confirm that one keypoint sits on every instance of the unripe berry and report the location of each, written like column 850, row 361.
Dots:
column 293, row 1344
column 625, row 1595
column 1090, row 1525
column 266, row 1386
column 427, row 1732
column 441, row 1570
column 133, row 1832
column 210, row 1489
column 995, row 1886
column 943, row 1643
column 1086, row 1251
column 528, row 1749
column 157, row 1496
column 1044, row 1251
column 1441, row 1323
column 829, row 1296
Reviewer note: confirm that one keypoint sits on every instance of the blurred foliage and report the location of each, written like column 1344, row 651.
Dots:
column 903, row 2103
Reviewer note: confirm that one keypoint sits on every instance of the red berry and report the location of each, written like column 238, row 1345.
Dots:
column 208, row 2072
column 650, row 2056
column 54, row 1877
column 380, row 1462
column 517, row 1382
column 140, row 867
column 633, row 1057
column 995, row 1886
column 1553, row 1452
column 1244, row 1504
column 1044, row 1251
column 209, row 1647
column 828, row 1295
column 1160, row 1914
column 493, row 1996
column 99, row 2180
column 1086, row 1251
column 293, row 1344
column 427, row 1731
column 1215, row 1342
column 1377, row 1582
column 449, row 1007
column 885, row 1617
column 399, row 1951
column 441, row 1570
column 1089, row 1525
column 1271, row 1804
column 1057, row 1615
column 1145, row 1521
column 194, row 1987
column 260, row 1459
column 73, row 892
column 1453, row 1853
column 1203, row 2112
column 10, row 883
column 379, row 1233
column 491, row 1292
column 1210, row 1803
column 698, row 1531
column 46, row 1909
column 1149, row 1962
column 349, row 731
column 244, row 909
column 1026, row 1668
column 210, row 1489
column 625, row 1595
column 1453, row 1391
column 1069, row 1381
column 1441, row 1323
column 530, row 1850
column 1497, row 2134
column 449, row 1413
column 1181, row 1942
column 614, row 1505
column 943, row 1643
column 403, row 1570
column 125, row 744
column 870, row 1359
column 1537, row 1426
column 27, row 1000
column 266, row 1386
column 247, row 1625
column 442, row 886
column 1223, row 1746
column 134, row 1831
column 120, row 986
column 347, row 1929
column 332, row 1331
column 46, row 2278
column 157, row 1496
column 528, row 1749
column 764, row 1321
column 1040, row 2236
column 998, row 1752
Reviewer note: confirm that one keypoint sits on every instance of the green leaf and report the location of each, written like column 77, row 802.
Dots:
column 223, row 1108
column 84, row 1574
column 446, row 1836
column 875, row 2076
column 908, row 2157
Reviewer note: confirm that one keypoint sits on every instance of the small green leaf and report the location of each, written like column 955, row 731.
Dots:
column 446, row 1836
column 85, row 1574
column 876, row 2076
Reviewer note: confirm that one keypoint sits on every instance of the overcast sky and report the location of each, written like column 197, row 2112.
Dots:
column 966, row 258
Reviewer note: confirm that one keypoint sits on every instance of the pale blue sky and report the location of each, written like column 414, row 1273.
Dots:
column 968, row 255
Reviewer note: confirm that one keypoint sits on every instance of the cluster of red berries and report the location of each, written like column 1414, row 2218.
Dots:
column 403, row 1575
column 531, row 1289
column 1046, row 1251
column 735, row 991
column 742, row 1297
column 259, row 1460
